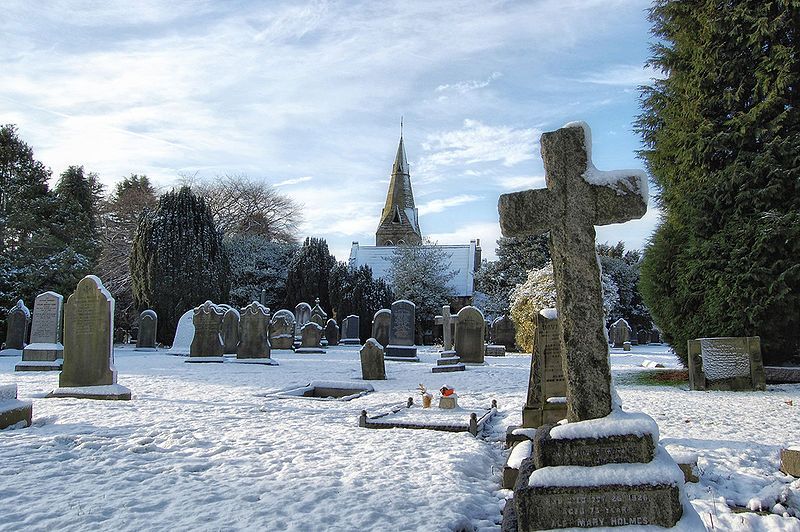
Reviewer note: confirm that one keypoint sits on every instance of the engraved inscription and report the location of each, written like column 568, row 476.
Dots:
column 46, row 315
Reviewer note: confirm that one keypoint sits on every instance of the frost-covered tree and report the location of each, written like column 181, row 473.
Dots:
column 356, row 291
column 242, row 205
column 722, row 137
column 623, row 268
column 119, row 219
column 76, row 222
column 309, row 270
column 422, row 274
column 178, row 260
column 258, row 263
column 495, row 280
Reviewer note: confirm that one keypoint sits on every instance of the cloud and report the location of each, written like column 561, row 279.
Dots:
column 520, row 182
column 624, row 75
column 463, row 87
column 295, row 181
column 438, row 205
column 487, row 232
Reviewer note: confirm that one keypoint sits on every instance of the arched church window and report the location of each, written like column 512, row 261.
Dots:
column 401, row 242
column 388, row 243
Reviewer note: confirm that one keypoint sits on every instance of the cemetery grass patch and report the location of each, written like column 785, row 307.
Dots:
column 664, row 377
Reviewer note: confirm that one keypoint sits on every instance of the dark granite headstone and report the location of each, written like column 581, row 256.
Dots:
column 148, row 323
column 17, row 323
column 332, row 332
column 281, row 330
column 401, row 332
column 45, row 351
column 372, row 366
column 350, row 330
column 88, row 344
column 207, row 341
column 381, row 322
column 470, row 328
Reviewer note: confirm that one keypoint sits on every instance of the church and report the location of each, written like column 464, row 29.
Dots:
column 399, row 225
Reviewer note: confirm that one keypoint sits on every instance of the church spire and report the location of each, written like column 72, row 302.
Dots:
column 399, row 218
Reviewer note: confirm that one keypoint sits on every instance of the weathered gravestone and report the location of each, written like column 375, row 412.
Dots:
column 230, row 331
column 547, row 389
column 88, row 370
column 311, row 336
column 448, row 322
column 504, row 333
column 207, row 342
column 302, row 315
column 318, row 315
column 12, row 410
column 148, row 325
column 281, row 330
column 372, row 365
column 254, row 344
column 553, row 493
column 45, row 352
column 619, row 333
column 470, row 330
column 726, row 364
column 332, row 332
column 381, row 323
column 351, row 326
column 401, row 332
column 17, row 322
column 184, row 334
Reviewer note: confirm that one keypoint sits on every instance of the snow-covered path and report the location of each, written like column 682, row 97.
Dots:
column 205, row 447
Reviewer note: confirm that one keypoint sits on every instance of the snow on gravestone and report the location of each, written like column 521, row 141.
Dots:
column 311, row 336
column 401, row 332
column 728, row 363
column 372, row 365
column 254, row 326
column 619, row 333
column 281, row 329
column 577, row 198
column 381, row 322
column 88, row 370
column 45, row 350
column 470, row 331
column 17, row 322
column 148, row 325
column 207, row 342
column 350, row 330
column 184, row 334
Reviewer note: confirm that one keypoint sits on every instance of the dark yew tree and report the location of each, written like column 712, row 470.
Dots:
column 309, row 270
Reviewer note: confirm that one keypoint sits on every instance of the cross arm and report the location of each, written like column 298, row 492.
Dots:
column 530, row 212
column 620, row 200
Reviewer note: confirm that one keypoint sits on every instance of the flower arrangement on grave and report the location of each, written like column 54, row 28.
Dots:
column 449, row 397
column 447, row 391
column 427, row 397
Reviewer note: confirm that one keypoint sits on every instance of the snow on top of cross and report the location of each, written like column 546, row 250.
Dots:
column 21, row 306
column 549, row 313
column 621, row 181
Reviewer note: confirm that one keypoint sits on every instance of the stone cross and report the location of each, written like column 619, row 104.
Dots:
column 577, row 198
column 446, row 320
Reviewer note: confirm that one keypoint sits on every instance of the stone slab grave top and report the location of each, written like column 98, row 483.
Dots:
column 470, row 419
column 729, row 363
column 327, row 391
column 17, row 323
column 577, row 198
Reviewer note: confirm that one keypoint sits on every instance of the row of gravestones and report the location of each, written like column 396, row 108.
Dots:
column 621, row 333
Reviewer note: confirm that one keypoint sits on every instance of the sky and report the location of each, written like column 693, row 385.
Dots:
column 308, row 96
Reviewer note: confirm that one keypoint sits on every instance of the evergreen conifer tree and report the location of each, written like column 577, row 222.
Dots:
column 178, row 260
column 309, row 270
column 356, row 291
column 77, row 220
column 722, row 137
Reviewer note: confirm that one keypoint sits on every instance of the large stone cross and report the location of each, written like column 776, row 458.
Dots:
column 577, row 198
column 445, row 320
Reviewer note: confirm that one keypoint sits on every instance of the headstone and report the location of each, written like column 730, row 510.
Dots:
column 372, row 366
column 731, row 363
column 148, row 324
column 493, row 350
column 504, row 333
column 626, row 346
column 230, row 331
column 332, row 332
column 302, row 315
column 619, row 333
column 350, row 330
column 254, row 344
column 318, row 316
column 207, row 342
column 17, row 323
column 311, row 336
column 184, row 334
column 88, row 370
column 381, row 324
column 12, row 410
column 45, row 352
column 447, row 321
column 470, row 329
column 790, row 461
column 547, row 390
column 281, row 330
column 401, row 332
column 577, row 198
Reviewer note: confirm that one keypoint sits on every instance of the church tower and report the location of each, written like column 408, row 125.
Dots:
column 399, row 219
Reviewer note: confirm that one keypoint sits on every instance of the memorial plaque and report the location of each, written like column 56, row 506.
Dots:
column 587, row 452
column 728, row 363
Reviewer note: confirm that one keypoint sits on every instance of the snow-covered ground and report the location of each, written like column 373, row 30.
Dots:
column 209, row 447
